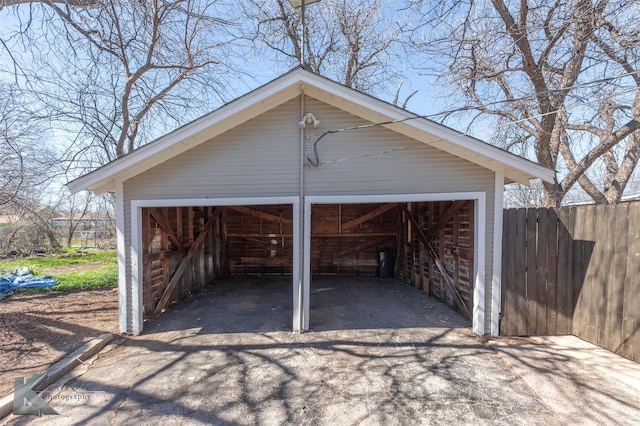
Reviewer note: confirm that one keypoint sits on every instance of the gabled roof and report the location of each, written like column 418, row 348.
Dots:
column 287, row 87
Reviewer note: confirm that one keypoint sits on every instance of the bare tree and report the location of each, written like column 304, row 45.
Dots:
column 562, row 79
column 115, row 74
column 25, row 158
column 354, row 43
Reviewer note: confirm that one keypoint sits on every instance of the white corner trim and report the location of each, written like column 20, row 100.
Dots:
column 496, row 280
column 122, row 252
column 137, row 309
column 479, row 248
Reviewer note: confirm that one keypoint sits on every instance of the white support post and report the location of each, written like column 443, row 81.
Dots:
column 480, row 246
column 137, row 309
column 496, row 279
column 297, row 272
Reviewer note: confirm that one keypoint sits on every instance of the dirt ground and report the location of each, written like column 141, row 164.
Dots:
column 38, row 329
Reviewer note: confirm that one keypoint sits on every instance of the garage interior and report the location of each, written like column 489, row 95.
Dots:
column 429, row 245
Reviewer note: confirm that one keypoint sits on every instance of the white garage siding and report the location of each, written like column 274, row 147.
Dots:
column 257, row 159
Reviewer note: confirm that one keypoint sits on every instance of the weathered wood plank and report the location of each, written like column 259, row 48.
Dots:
column 367, row 216
column 445, row 219
column 580, row 251
column 179, row 229
column 508, row 321
column 564, row 285
column 262, row 215
column 552, row 269
column 532, row 267
column 266, row 261
column 520, row 285
column 541, row 271
column 605, row 274
column 455, row 254
column 364, row 246
column 597, row 274
column 588, row 263
column 165, row 226
column 355, row 262
column 185, row 263
column 630, row 345
column 618, row 272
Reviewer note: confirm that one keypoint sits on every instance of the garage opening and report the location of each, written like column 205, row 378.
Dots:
column 187, row 248
column 429, row 245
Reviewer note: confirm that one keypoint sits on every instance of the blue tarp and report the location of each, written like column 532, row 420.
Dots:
column 22, row 278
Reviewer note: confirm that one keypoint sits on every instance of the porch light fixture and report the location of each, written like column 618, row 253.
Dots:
column 308, row 118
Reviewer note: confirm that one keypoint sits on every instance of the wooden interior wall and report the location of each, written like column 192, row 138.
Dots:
column 168, row 234
column 258, row 239
column 449, row 226
column 346, row 238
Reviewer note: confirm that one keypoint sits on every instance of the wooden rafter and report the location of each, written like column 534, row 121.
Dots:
column 262, row 215
column 464, row 309
column 368, row 216
column 446, row 218
column 164, row 299
column 314, row 235
column 165, row 226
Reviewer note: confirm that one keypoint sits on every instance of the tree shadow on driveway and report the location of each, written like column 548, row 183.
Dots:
column 228, row 357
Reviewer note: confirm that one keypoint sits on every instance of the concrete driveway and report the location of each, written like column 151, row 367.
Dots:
column 380, row 352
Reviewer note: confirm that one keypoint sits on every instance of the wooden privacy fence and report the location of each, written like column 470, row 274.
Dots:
column 574, row 270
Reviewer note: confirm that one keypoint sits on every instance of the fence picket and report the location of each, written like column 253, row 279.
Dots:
column 509, row 240
column 520, row 260
column 552, row 268
column 564, row 283
column 541, row 271
column 619, row 246
column 630, row 346
column 531, row 287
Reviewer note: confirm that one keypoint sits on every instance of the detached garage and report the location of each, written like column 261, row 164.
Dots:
column 305, row 177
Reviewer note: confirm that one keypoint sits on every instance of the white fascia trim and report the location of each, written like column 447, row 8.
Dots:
column 136, row 238
column 496, row 280
column 479, row 198
column 122, row 253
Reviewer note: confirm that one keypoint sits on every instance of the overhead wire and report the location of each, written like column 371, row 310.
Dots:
column 315, row 162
